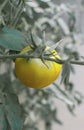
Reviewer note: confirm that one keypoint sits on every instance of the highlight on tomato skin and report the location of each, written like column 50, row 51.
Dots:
column 34, row 73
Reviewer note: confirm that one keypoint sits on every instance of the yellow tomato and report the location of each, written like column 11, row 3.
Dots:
column 34, row 73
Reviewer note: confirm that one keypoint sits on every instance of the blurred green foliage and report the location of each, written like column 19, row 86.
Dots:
column 22, row 107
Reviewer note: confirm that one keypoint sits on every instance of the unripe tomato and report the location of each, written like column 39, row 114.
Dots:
column 34, row 73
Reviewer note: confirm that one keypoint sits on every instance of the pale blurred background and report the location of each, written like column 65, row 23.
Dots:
column 71, row 122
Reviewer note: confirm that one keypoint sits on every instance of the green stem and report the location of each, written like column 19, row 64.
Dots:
column 77, row 62
column 44, row 57
column 3, row 5
column 18, row 13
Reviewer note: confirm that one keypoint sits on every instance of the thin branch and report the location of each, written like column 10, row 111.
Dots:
column 63, row 61
column 3, row 5
column 18, row 13
column 77, row 62
column 44, row 57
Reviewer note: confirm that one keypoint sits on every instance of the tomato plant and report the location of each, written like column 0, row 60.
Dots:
column 36, row 66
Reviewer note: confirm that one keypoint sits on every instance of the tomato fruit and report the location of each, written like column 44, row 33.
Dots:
column 34, row 73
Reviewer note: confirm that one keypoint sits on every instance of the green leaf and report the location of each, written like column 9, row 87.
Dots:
column 66, row 74
column 13, row 112
column 45, row 1
column 33, row 4
column 12, row 39
column 35, row 39
column 3, row 123
column 71, row 109
column 63, row 26
column 78, row 97
column 62, row 95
